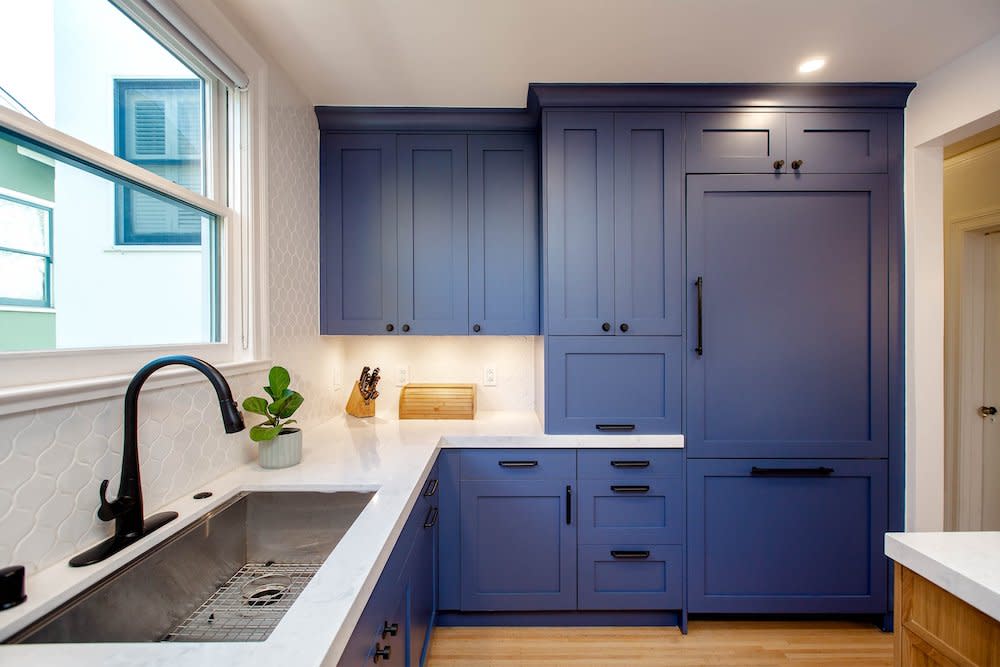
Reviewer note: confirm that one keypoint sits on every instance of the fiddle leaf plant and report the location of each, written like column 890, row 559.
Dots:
column 277, row 413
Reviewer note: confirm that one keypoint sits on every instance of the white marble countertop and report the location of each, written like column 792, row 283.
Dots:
column 967, row 565
column 389, row 457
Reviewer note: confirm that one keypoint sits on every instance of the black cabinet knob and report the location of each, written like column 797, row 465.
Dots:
column 389, row 327
column 623, row 327
column 12, row 586
column 796, row 164
column 406, row 327
column 778, row 164
column 476, row 328
column 382, row 653
column 389, row 629
column 606, row 326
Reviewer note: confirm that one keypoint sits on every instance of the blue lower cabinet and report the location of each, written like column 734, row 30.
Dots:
column 382, row 626
column 421, row 575
column 627, row 510
column 630, row 576
column 518, row 545
column 787, row 536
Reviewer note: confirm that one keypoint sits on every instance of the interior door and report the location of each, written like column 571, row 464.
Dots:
column 991, row 387
column 792, row 321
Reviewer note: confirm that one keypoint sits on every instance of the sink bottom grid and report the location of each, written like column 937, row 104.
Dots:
column 248, row 606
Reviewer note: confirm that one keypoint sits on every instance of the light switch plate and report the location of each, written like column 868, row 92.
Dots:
column 490, row 376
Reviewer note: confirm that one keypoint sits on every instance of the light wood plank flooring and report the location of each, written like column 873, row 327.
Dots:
column 729, row 643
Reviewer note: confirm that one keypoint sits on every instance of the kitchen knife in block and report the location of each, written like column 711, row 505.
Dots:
column 357, row 406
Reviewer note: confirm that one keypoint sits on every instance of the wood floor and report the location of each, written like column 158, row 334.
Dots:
column 728, row 643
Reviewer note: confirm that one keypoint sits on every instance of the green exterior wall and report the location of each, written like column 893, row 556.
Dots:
column 24, row 174
column 26, row 330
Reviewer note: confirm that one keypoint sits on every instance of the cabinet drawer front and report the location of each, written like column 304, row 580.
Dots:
column 798, row 536
column 518, row 464
column 616, row 510
column 629, row 576
column 838, row 142
column 613, row 384
column 629, row 463
column 734, row 143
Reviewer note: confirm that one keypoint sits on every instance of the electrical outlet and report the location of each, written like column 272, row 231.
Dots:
column 402, row 376
column 338, row 377
column 490, row 376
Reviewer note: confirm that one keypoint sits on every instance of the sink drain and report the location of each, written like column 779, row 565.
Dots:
column 265, row 590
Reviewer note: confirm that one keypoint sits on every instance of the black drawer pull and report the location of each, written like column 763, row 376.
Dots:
column 699, row 348
column 518, row 464
column 431, row 488
column 382, row 653
column 569, row 505
column 432, row 518
column 389, row 629
column 633, row 488
column 818, row 471
column 615, row 427
column 630, row 555
column 630, row 464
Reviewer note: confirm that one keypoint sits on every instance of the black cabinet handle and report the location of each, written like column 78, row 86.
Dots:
column 569, row 505
column 431, row 488
column 630, row 464
column 629, row 555
column 623, row 327
column 389, row 327
column 606, row 326
column 630, row 488
column 518, row 464
column 406, row 327
column 778, row 164
column 796, row 164
column 700, row 347
column 382, row 653
column 818, row 471
column 432, row 518
column 389, row 629
column 476, row 328
column 615, row 427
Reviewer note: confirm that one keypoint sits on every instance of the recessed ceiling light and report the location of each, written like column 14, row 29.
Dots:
column 811, row 65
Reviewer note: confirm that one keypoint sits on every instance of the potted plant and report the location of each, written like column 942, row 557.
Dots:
column 279, row 445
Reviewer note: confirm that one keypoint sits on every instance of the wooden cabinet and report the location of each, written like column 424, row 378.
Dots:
column 792, row 317
column 797, row 142
column 786, row 536
column 614, row 212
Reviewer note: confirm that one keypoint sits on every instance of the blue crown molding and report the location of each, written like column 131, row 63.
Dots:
column 716, row 95
column 424, row 119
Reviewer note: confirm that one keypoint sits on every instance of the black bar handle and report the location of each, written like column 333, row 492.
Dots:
column 700, row 348
column 431, row 488
column 629, row 555
column 518, row 464
column 818, row 471
column 615, row 427
column 630, row 464
column 630, row 488
column 569, row 505
column 432, row 518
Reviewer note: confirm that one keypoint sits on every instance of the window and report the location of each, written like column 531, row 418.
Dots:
column 25, row 253
column 158, row 126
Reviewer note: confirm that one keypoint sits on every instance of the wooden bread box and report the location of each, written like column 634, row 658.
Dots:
column 426, row 400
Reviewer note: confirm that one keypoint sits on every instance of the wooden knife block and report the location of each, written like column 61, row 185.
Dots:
column 357, row 406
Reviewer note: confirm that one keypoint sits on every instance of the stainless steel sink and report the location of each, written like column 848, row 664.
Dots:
column 229, row 577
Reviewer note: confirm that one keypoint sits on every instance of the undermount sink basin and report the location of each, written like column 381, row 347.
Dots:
column 229, row 577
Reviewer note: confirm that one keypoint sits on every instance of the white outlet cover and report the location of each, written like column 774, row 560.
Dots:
column 490, row 376
column 403, row 376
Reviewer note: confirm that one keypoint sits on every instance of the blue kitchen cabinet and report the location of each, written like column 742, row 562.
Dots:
column 503, row 234
column 787, row 536
column 421, row 573
column 631, row 576
column 838, row 142
column 613, row 384
column 433, row 228
column 788, row 316
column 358, row 268
column 735, row 142
column 449, row 555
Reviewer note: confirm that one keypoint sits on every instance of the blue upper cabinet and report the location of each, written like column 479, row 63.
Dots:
column 433, row 234
column 843, row 142
column 503, row 234
column 358, row 233
column 790, row 316
column 614, row 214
column 649, row 213
column 735, row 142
column 579, row 223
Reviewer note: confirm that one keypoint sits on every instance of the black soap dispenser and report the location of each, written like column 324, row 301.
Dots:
column 12, row 586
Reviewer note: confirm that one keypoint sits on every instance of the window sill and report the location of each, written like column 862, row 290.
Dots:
column 37, row 397
column 26, row 309
column 139, row 248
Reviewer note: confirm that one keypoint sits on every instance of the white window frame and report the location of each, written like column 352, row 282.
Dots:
column 46, row 378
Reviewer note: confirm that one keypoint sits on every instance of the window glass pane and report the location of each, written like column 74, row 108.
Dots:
column 105, row 295
column 23, row 226
column 23, row 279
column 63, row 63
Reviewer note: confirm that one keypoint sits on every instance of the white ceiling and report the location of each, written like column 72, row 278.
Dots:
column 483, row 53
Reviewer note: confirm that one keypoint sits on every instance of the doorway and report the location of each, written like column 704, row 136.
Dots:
column 972, row 332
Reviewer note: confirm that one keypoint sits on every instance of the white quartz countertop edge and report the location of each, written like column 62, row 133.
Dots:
column 390, row 457
column 966, row 564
